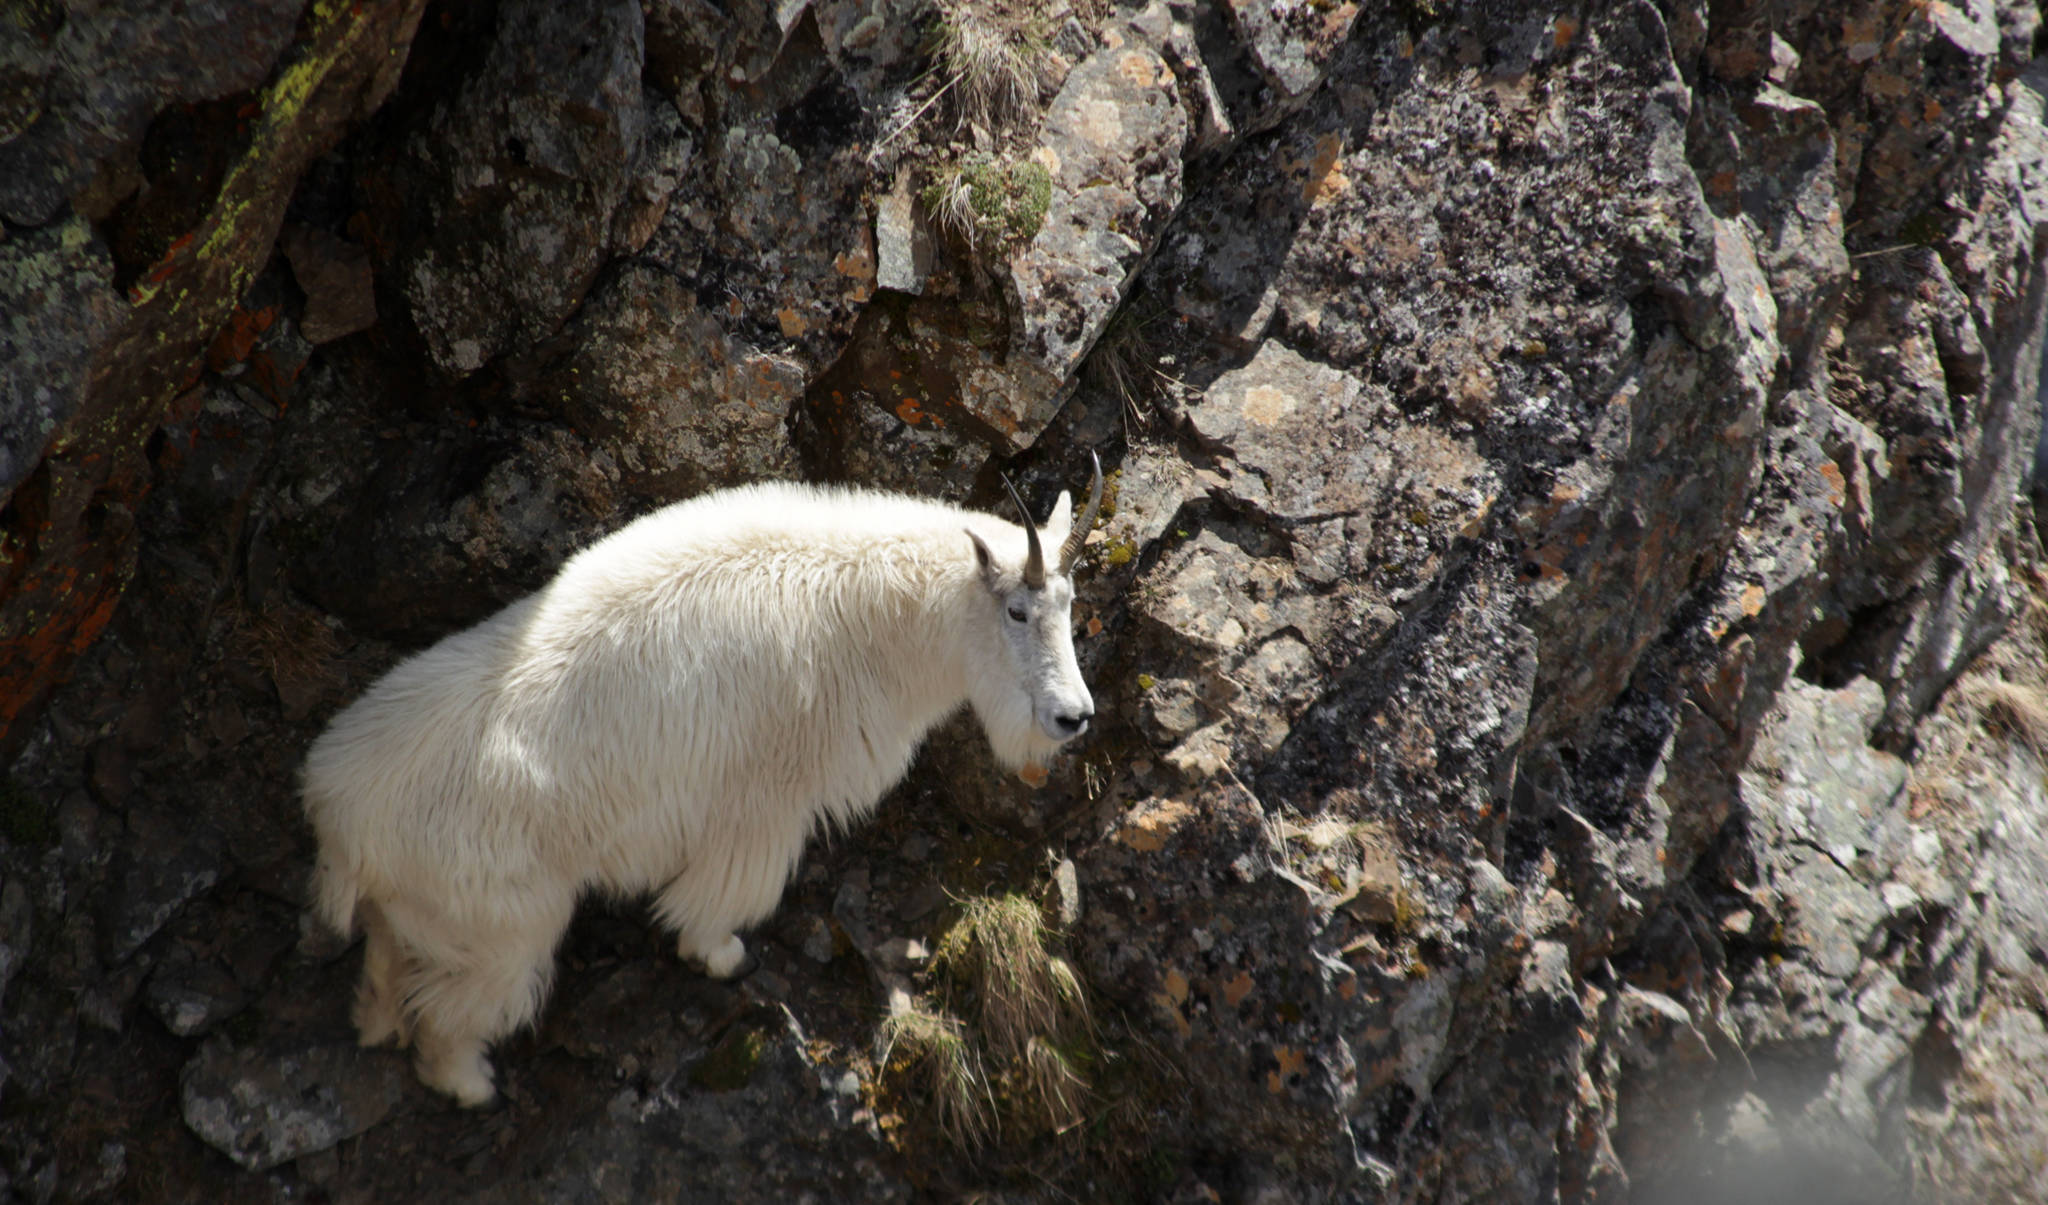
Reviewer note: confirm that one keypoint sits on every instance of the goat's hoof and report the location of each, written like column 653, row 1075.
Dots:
column 470, row 1093
column 467, row 1079
column 730, row 960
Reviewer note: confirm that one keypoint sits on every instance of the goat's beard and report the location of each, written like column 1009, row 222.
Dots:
column 1015, row 737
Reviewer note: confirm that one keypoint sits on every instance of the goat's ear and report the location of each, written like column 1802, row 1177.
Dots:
column 983, row 557
column 1061, row 521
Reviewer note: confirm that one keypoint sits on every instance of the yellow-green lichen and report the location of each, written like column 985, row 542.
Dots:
column 283, row 101
column 731, row 1062
column 1407, row 913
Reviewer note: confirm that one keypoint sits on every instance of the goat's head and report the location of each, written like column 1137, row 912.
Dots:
column 1025, row 684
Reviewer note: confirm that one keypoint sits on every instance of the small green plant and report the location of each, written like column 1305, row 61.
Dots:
column 981, row 200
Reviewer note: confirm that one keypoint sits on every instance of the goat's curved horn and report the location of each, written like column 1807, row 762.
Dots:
column 1085, row 522
column 1034, row 561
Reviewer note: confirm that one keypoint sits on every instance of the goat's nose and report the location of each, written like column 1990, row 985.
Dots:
column 1073, row 725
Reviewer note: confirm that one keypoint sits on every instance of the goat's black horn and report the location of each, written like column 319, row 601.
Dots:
column 1034, row 561
column 1084, row 523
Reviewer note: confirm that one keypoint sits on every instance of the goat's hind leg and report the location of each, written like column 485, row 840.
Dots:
column 454, row 1063
column 379, row 1012
column 479, row 988
column 460, row 1012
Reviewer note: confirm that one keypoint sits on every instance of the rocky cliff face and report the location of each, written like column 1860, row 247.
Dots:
column 1571, row 664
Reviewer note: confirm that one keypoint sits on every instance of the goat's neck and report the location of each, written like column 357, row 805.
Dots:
column 927, row 653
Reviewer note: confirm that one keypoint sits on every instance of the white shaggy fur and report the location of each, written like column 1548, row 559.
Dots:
column 674, row 714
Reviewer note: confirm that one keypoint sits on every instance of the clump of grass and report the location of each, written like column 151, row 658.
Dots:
column 981, row 200
column 950, row 202
column 292, row 644
column 1018, row 1060
column 1124, row 363
column 999, row 950
column 992, row 56
column 2015, row 711
column 1050, row 1086
column 934, row 1050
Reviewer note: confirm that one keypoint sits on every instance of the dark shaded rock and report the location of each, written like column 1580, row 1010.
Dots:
column 97, row 76
column 680, row 405
column 165, row 862
column 335, row 277
column 458, row 527
column 47, row 348
column 693, row 1134
column 75, row 525
column 262, row 1108
column 17, row 931
column 191, row 998
column 522, row 169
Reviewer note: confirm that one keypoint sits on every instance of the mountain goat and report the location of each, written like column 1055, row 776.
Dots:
column 673, row 713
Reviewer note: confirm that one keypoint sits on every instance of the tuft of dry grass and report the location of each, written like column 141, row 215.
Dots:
column 950, row 202
column 2013, row 711
column 993, row 57
column 1018, row 1063
column 292, row 644
column 1000, row 949
column 936, row 1052
column 1050, row 1087
column 1124, row 363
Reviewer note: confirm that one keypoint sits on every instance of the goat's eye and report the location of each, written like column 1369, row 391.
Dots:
column 1017, row 613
